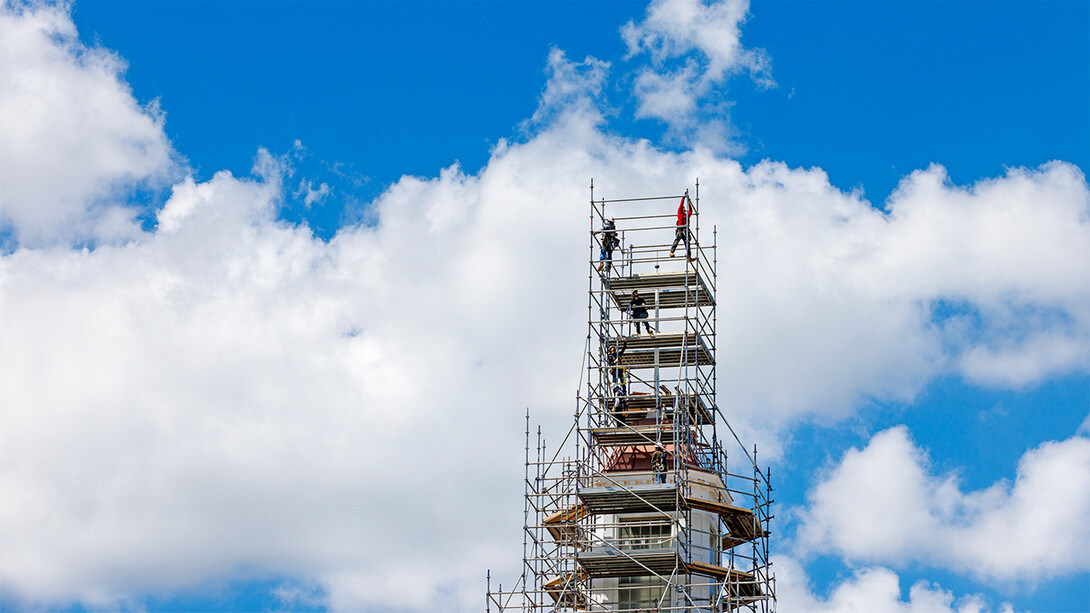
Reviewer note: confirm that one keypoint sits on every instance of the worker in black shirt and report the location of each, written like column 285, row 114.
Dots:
column 637, row 308
column 658, row 463
column 609, row 243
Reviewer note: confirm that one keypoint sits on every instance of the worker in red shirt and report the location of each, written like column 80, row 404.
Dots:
column 684, row 212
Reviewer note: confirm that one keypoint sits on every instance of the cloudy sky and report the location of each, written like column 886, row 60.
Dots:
column 279, row 281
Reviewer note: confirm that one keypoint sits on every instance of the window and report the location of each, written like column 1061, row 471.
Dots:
column 635, row 535
column 639, row 592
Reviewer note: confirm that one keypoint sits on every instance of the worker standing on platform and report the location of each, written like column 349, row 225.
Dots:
column 658, row 463
column 609, row 243
column 684, row 212
column 637, row 310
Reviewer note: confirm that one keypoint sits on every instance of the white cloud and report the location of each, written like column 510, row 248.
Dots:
column 870, row 590
column 311, row 195
column 73, row 136
column 881, row 504
column 572, row 89
column 227, row 396
column 694, row 47
column 830, row 303
column 1017, row 249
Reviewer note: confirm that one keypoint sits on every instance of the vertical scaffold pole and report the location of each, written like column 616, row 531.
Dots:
column 526, row 506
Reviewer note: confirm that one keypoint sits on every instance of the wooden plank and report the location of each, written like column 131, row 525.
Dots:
column 563, row 525
column 667, row 340
column 564, row 591
column 740, row 522
column 667, row 358
column 707, row 570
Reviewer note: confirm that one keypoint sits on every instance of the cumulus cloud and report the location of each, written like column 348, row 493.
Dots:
column 852, row 304
column 227, row 396
column 870, row 590
column 694, row 46
column 573, row 88
column 74, row 138
column 882, row 504
column 1020, row 292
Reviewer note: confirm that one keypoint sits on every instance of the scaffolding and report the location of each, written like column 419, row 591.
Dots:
column 637, row 508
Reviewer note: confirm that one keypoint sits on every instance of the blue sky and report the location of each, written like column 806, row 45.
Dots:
column 868, row 91
column 220, row 396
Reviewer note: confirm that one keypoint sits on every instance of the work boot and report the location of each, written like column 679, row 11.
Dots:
column 671, row 254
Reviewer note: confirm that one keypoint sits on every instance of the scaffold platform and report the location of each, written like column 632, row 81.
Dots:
column 635, row 435
column 663, row 290
column 609, row 561
column 663, row 350
column 643, row 406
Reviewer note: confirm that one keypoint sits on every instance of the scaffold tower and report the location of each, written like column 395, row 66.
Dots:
column 637, row 509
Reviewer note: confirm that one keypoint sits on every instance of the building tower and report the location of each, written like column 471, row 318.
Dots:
column 637, row 510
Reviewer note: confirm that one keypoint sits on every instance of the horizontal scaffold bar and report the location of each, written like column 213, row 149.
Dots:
column 603, row 200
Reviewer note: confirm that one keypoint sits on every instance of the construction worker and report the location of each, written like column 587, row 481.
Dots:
column 637, row 310
column 609, row 243
column 620, row 396
column 658, row 463
column 614, row 353
column 684, row 212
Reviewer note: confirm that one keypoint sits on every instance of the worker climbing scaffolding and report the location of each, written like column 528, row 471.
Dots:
column 609, row 243
column 682, row 233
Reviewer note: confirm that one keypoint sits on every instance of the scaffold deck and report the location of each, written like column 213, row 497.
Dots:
column 642, row 406
column 641, row 350
column 664, row 299
column 609, row 561
column 645, row 498
column 649, row 282
column 633, row 435
column 601, row 562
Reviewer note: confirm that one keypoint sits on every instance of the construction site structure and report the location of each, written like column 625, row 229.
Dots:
column 638, row 509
